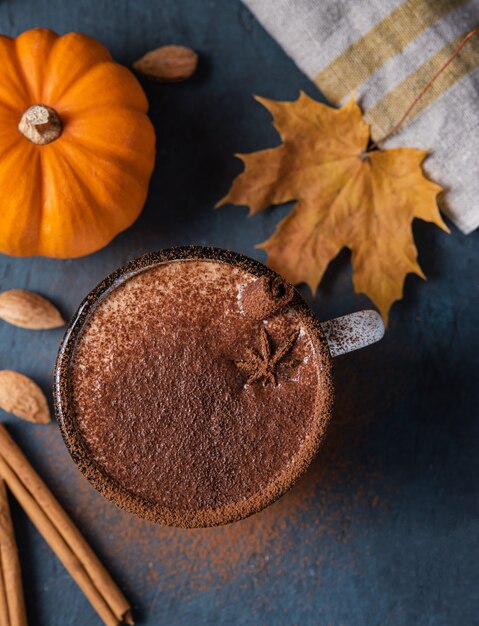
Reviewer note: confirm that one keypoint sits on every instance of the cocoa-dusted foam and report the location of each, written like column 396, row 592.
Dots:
column 161, row 391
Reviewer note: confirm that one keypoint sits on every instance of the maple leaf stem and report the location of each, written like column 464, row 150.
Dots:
column 396, row 127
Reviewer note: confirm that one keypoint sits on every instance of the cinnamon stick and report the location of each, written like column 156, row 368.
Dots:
column 61, row 534
column 4, row 612
column 10, row 565
column 57, row 544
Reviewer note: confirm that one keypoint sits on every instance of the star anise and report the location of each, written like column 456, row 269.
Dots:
column 263, row 364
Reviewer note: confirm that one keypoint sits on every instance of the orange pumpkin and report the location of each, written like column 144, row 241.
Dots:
column 76, row 146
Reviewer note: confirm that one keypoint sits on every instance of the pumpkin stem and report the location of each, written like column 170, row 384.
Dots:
column 40, row 124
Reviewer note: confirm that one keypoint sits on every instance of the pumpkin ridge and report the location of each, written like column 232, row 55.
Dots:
column 14, row 216
column 100, row 108
column 11, row 108
column 11, row 51
column 92, row 157
column 5, row 150
column 74, row 84
column 127, row 166
column 88, row 203
column 21, row 74
column 73, row 78
column 103, row 149
column 86, row 79
column 34, row 48
column 41, row 192
column 105, row 211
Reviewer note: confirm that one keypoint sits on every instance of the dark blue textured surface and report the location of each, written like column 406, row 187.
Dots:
column 384, row 528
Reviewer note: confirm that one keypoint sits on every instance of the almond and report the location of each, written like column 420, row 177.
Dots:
column 29, row 310
column 22, row 397
column 168, row 64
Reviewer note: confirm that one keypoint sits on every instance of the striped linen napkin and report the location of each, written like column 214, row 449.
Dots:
column 384, row 52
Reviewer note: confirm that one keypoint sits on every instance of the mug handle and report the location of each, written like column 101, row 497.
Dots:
column 353, row 331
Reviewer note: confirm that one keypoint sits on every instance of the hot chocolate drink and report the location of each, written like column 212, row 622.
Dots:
column 196, row 390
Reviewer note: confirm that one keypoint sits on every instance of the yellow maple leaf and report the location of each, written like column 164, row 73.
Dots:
column 347, row 197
